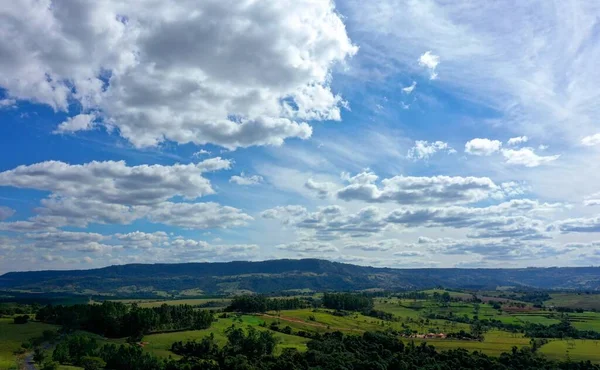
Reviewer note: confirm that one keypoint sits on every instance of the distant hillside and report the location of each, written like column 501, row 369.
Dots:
column 280, row 275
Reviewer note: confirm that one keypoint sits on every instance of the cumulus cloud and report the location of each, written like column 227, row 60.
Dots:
column 527, row 157
column 80, row 122
column 115, row 182
column 430, row 61
column 244, row 179
column 577, row 225
column 198, row 215
column 482, row 147
column 517, row 140
column 142, row 240
column 592, row 200
column 425, row 149
column 322, row 189
column 591, row 140
column 155, row 79
column 6, row 212
column 114, row 193
column 520, row 219
column 418, row 190
column 68, row 241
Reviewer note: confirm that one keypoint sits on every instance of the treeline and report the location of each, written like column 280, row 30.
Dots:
column 564, row 329
column 117, row 320
column 10, row 309
column 252, row 349
column 260, row 303
column 347, row 301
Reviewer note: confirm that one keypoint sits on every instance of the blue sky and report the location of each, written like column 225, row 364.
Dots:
column 388, row 133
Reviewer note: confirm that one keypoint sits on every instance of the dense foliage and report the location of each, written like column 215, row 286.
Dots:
column 564, row 329
column 117, row 320
column 251, row 349
column 260, row 303
column 347, row 301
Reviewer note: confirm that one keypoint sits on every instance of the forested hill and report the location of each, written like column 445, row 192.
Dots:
column 279, row 275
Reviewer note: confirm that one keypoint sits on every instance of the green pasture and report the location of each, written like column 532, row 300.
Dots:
column 575, row 300
column 11, row 337
column 576, row 349
column 160, row 344
column 494, row 343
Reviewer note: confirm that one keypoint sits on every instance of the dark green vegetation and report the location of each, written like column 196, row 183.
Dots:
column 115, row 320
column 281, row 275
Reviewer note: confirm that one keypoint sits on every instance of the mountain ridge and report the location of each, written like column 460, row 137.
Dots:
column 288, row 274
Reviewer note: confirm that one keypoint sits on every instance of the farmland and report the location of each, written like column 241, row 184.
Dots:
column 430, row 316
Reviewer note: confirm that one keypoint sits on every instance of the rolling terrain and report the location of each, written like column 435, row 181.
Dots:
column 285, row 274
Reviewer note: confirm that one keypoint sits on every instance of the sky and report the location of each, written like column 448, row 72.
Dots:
column 400, row 133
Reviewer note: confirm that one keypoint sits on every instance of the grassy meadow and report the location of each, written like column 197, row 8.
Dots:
column 11, row 337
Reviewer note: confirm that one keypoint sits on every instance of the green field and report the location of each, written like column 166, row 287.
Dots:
column 575, row 300
column 11, row 337
column 410, row 318
column 577, row 349
column 160, row 344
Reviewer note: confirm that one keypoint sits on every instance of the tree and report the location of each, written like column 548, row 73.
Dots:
column 39, row 355
column 92, row 363
column 24, row 319
column 50, row 365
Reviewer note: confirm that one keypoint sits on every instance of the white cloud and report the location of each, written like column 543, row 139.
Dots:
column 198, row 215
column 6, row 212
column 418, row 190
column 201, row 153
column 430, row 61
column 155, row 79
column 592, row 200
column 527, row 157
column 143, row 240
column 308, row 247
column 244, row 179
column 323, row 189
column 517, row 140
column 482, row 147
column 112, row 192
column 7, row 103
column 591, row 140
column 409, row 89
column 115, row 182
column 80, row 122
column 577, row 225
column 425, row 149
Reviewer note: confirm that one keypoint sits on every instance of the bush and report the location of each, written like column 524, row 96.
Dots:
column 23, row 319
column 92, row 363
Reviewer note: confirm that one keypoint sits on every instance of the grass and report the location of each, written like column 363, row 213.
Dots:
column 578, row 349
column 575, row 300
column 11, row 337
column 160, row 344
column 494, row 344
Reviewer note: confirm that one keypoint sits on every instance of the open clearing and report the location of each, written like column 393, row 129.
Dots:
column 11, row 337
